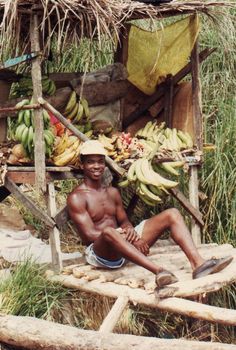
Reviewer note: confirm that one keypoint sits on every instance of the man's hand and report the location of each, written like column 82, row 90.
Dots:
column 142, row 246
column 130, row 234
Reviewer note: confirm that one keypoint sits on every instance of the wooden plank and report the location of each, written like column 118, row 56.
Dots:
column 161, row 90
column 28, row 203
column 195, row 213
column 170, row 304
column 112, row 164
column 39, row 148
column 54, row 234
column 32, row 333
column 114, row 314
column 28, row 177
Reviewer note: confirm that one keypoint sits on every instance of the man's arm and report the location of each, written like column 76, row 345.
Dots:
column 78, row 213
column 125, row 224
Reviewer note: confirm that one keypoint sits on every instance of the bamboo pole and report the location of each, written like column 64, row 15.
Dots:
column 112, row 164
column 39, row 148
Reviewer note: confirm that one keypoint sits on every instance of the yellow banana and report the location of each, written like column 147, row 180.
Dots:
column 64, row 158
column 73, row 113
column 148, row 193
column 131, row 175
column 71, row 103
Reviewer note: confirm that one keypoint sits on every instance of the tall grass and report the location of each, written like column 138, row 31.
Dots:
column 218, row 177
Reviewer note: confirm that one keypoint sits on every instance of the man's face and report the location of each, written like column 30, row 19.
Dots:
column 93, row 166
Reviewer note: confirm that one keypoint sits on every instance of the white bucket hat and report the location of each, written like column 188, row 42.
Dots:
column 92, row 147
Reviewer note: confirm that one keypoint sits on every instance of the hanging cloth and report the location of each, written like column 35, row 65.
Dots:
column 154, row 55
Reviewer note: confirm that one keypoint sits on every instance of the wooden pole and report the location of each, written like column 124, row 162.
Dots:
column 54, row 234
column 32, row 333
column 39, row 148
column 197, row 123
column 112, row 164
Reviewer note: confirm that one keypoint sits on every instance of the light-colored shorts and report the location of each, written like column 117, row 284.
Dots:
column 93, row 259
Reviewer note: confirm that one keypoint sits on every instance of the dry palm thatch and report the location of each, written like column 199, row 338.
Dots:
column 71, row 20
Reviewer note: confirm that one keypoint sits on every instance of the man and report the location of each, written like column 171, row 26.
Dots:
column 103, row 225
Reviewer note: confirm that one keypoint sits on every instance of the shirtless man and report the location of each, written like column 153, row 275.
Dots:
column 103, row 225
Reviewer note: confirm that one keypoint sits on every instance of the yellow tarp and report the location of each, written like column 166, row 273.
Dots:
column 154, row 55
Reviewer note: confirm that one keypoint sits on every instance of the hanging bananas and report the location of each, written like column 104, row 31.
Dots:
column 25, row 133
column 24, row 87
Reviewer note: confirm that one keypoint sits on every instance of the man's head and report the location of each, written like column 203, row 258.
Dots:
column 92, row 156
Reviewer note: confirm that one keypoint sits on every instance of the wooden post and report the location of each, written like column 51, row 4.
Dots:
column 39, row 148
column 169, row 101
column 54, row 234
column 197, row 123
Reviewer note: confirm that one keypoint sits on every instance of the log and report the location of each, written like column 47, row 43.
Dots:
column 32, row 333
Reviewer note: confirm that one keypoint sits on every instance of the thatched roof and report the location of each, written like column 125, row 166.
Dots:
column 73, row 19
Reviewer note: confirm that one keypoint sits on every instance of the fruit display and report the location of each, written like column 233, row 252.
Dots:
column 25, row 133
column 66, row 150
column 162, row 138
column 77, row 111
column 24, row 87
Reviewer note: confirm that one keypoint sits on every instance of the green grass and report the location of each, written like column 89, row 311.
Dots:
column 28, row 293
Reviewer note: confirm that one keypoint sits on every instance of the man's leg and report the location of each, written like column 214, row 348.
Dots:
column 111, row 245
column 172, row 220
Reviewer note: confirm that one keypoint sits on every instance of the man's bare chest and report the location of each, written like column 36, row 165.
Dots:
column 100, row 205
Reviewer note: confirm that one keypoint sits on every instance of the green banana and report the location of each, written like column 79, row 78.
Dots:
column 24, row 137
column 27, row 117
column 19, row 131
column 139, row 172
column 46, row 118
column 84, row 103
column 22, row 103
column 123, row 183
column 79, row 114
column 71, row 103
column 20, row 118
column 74, row 111
column 51, row 88
column 168, row 168
column 148, row 193
column 30, row 139
column 131, row 175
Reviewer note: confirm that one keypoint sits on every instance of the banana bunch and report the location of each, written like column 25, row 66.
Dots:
column 24, row 87
column 114, row 147
column 150, row 185
column 25, row 130
column 161, row 138
column 78, row 112
column 66, row 150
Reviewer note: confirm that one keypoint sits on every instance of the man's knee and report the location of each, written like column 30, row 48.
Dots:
column 108, row 234
column 174, row 216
